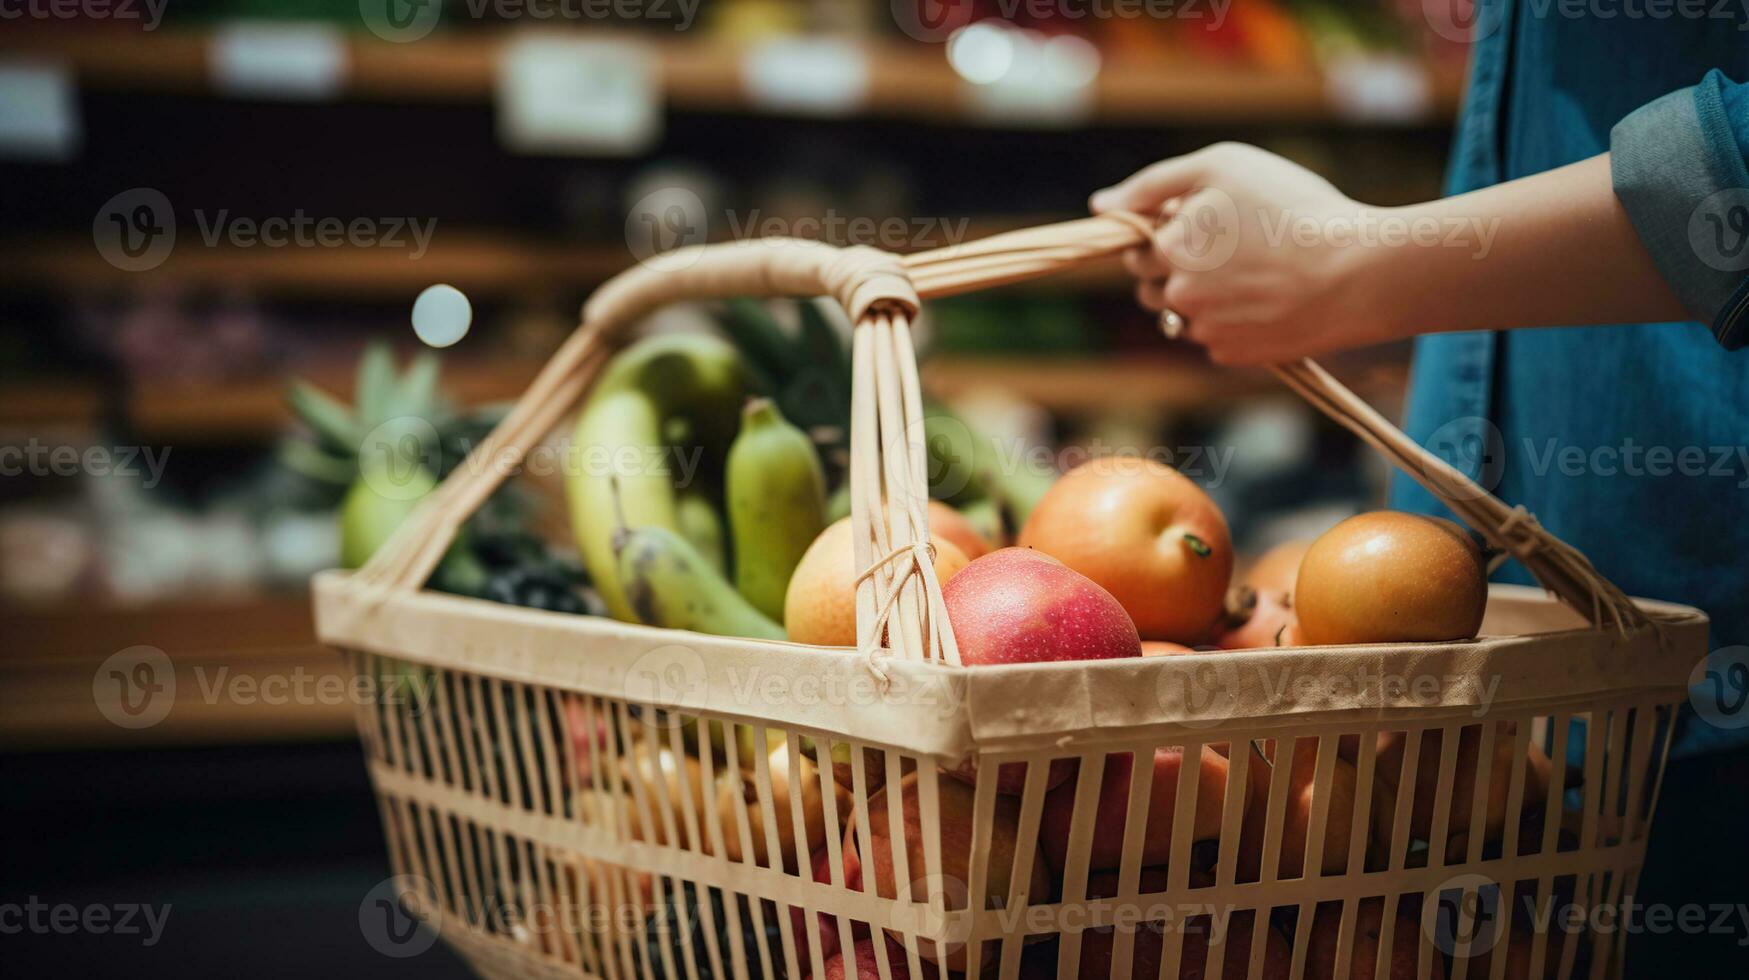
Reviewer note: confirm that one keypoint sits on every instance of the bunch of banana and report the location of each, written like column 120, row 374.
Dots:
column 656, row 551
column 661, row 414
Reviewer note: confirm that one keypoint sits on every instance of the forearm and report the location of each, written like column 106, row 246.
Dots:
column 1553, row 249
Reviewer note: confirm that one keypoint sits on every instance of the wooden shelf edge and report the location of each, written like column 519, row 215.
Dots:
column 907, row 80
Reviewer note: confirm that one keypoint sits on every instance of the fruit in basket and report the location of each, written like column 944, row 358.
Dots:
column 666, row 582
column 1145, row 533
column 820, row 607
column 1260, row 609
column 1367, row 930
column 1304, row 796
column 1018, row 606
column 1164, row 648
column 697, row 520
column 652, row 389
column 945, row 522
column 776, row 502
column 369, row 516
column 660, row 781
column 685, row 925
column 1391, row 577
column 1111, row 809
column 1537, row 773
column 1002, row 836
column 868, row 965
column 739, row 789
column 1099, row 946
column 828, row 924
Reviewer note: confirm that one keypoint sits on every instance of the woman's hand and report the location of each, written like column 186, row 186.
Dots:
column 1264, row 260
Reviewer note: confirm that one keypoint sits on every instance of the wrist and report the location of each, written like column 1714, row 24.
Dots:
column 1374, row 276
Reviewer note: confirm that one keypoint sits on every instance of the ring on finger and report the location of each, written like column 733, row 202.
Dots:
column 1172, row 325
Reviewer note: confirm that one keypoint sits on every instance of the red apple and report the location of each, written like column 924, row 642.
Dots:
column 829, row 943
column 1111, row 809
column 1016, row 605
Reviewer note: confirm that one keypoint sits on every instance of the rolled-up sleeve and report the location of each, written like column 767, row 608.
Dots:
column 1678, row 168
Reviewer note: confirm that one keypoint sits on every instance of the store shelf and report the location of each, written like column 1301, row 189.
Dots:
column 479, row 264
column 475, row 263
column 256, row 409
column 242, row 409
column 906, row 80
column 230, row 657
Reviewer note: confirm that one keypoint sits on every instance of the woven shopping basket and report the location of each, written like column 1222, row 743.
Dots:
column 550, row 801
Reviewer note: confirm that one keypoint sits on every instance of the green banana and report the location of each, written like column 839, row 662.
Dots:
column 701, row 525
column 657, row 388
column 668, row 583
column 776, row 502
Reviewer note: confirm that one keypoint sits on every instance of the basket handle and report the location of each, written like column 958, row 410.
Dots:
column 881, row 293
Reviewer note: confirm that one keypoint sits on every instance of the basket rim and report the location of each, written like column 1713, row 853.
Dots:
column 951, row 712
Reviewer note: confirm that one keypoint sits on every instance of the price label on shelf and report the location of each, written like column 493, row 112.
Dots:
column 813, row 76
column 278, row 61
column 1379, row 88
column 566, row 95
column 39, row 116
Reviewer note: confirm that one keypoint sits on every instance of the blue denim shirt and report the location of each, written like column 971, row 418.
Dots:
column 1629, row 442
